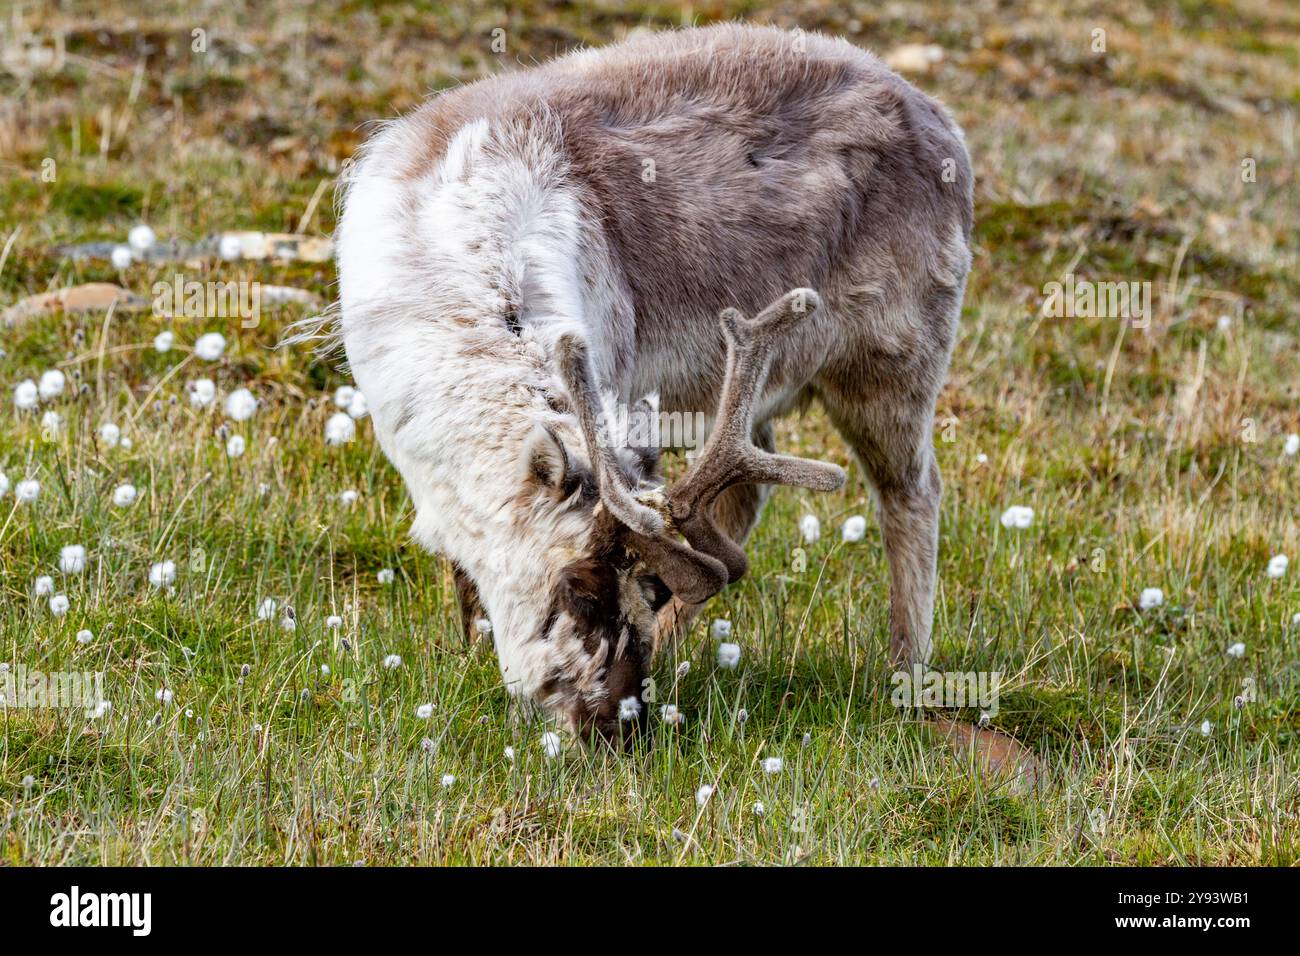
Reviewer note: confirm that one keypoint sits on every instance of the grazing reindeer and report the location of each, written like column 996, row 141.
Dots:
column 520, row 254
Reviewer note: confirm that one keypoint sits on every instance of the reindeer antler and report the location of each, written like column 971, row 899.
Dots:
column 729, row 456
column 615, row 492
column 696, row 573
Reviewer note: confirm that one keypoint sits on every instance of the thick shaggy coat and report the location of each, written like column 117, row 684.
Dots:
column 625, row 196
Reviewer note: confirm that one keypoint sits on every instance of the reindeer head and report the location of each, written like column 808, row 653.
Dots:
column 601, row 615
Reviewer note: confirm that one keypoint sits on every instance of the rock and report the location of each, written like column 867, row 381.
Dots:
column 91, row 297
column 1000, row 759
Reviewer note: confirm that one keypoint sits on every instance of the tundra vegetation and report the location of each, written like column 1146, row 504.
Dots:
column 1127, row 142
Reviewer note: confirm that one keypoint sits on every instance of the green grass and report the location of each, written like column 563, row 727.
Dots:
column 1151, row 459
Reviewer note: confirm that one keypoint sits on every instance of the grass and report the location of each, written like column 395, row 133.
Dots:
column 1152, row 458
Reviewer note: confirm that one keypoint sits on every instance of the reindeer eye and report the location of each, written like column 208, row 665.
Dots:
column 654, row 591
column 513, row 325
column 581, row 480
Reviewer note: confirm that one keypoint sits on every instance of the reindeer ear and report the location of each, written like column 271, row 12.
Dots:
column 546, row 462
column 692, row 576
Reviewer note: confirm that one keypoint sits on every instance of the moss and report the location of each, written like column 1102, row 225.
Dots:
column 917, row 814
column 97, row 202
column 1055, row 718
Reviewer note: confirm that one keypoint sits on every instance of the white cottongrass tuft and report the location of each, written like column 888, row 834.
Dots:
column 340, row 429
column 51, row 385
column 202, row 392
column 101, row 710
column 759, row 809
column 1018, row 516
column 85, row 636
column 392, row 662
column 121, row 257
column 1151, row 598
column 981, row 459
column 230, row 246
column 773, row 765
column 551, row 745
column 703, row 794
column 26, row 395
column 1237, row 650
column 25, row 492
column 483, row 626
column 124, row 495
column 110, row 434
column 59, row 605
column 164, row 340
column 4, row 484
column 235, row 446
column 669, row 714
column 448, row 780
column 728, row 655
column 240, row 405
column 629, row 708
column 43, row 585
column 509, row 753
column 266, row 610
column 210, row 346
column 141, row 237
column 343, row 396
column 1291, row 446
column 854, row 529
column 72, row 559
column 386, row 576
column 424, row 711
column 1277, row 565
column 811, row 528
column 51, row 422
column 1206, row 728
column 334, row 622
column 721, row 629
column 163, row 695
column 1295, row 619
column 348, row 497
column 162, row 574
column 358, row 407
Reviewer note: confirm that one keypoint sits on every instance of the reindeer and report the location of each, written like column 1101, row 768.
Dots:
column 520, row 256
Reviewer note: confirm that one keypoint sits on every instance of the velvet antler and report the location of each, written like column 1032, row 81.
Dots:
column 729, row 457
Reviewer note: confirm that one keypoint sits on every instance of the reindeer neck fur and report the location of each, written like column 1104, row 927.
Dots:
column 456, row 280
